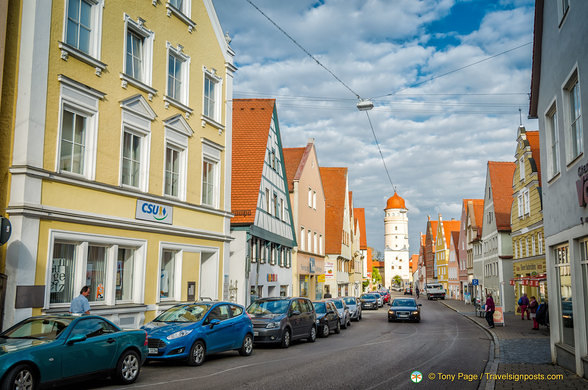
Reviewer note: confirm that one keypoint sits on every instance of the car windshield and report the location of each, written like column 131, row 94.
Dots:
column 368, row 296
column 403, row 302
column 349, row 301
column 38, row 328
column 338, row 304
column 184, row 313
column 268, row 307
column 320, row 307
column 434, row 286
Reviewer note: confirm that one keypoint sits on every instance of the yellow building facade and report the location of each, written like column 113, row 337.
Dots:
column 442, row 249
column 120, row 164
column 529, row 272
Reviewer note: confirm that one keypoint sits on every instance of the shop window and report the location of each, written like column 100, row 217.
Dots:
column 106, row 264
column 63, row 273
column 564, row 285
column 125, row 263
column 167, row 274
column 583, row 247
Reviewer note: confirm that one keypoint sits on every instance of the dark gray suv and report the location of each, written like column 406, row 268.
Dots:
column 282, row 320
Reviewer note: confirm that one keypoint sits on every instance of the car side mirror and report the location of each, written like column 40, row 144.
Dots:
column 213, row 323
column 294, row 313
column 76, row 339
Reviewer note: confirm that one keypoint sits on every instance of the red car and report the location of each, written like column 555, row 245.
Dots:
column 385, row 296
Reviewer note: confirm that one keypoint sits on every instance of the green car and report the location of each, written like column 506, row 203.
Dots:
column 54, row 349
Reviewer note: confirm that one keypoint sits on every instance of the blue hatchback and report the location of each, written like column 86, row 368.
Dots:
column 191, row 331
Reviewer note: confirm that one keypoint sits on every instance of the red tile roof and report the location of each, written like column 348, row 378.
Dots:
column 478, row 209
column 533, row 138
column 360, row 216
column 501, row 181
column 293, row 162
column 335, row 186
column 251, row 124
column 448, row 228
column 455, row 236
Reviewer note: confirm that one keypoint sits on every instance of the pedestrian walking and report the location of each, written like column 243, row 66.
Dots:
column 524, row 304
column 417, row 292
column 533, row 305
column 490, row 308
column 80, row 304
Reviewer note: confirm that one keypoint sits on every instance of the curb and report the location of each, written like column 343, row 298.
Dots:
column 493, row 353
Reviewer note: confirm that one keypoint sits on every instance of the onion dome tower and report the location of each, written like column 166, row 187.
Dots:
column 396, row 253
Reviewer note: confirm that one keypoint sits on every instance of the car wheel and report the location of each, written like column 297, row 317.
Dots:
column 312, row 336
column 128, row 367
column 20, row 377
column 197, row 354
column 247, row 346
column 286, row 338
column 326, row 330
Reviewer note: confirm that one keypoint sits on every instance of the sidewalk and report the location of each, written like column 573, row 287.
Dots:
column 519, row 350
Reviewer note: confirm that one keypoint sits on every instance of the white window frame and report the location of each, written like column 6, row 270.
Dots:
column 309, row 240
column 184, row 12
column 315, row 243
column 210, row 74
column 183, row 101
column 92, row 56
column 570, row 118
column 526, row 201
column 82, row 100
column 552, row 131
column 82, row 241
column 177, row 133
column 520, row 205
column 145, row 81
column 302, row 238
column 182, row 153
column 211, row 153
column 522, row 168
column 314, row 200
column 309, row 197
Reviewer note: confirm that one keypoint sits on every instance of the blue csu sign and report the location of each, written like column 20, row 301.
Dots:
column 474, row 282
column 154, row 212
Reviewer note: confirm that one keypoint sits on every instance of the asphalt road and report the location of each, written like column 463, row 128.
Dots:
column 371, row 354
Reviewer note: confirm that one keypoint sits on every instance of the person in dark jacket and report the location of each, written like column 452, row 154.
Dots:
column 490, row 308
column 524, row 304
column 533, row 305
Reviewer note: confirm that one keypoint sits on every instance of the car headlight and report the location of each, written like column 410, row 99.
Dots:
column 391, row 312
column 272, row 325
column 179, row 334
column 415, row 312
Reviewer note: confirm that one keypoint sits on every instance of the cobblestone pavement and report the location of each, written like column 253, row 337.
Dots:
column 522, row 358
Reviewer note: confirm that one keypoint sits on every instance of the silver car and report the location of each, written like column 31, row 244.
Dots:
column 354, row 307
column 343, row 311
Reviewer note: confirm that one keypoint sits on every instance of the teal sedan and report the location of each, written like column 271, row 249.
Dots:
column 53, row 349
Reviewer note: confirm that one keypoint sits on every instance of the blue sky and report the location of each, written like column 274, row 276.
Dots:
column 436, row 128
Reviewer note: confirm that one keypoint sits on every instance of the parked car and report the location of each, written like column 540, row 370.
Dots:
column 50, row 349
column 404, row 309
column 190, row 331
column 282, row 320
column 380, row 299
column 354, row 306
column 344, row 316
column 408, row 291
column 434, row 291
column 385, row 296
column 327, row 318
column 369, row 301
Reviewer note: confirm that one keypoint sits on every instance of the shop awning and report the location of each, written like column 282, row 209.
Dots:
column 532, row 281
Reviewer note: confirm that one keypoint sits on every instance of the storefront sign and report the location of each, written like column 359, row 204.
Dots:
column 498, row 316
column 329, row 270
column 320, row 278
column 272, row 277
column 154, row 212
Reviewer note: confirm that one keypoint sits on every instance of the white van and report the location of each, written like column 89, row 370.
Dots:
column 434, row 291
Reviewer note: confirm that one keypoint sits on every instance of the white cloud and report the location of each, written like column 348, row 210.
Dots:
column 436, row 136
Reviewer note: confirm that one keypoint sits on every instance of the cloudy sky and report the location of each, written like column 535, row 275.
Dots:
column 447, row 79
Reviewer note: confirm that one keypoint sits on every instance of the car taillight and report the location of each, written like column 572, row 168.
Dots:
column 146, row 339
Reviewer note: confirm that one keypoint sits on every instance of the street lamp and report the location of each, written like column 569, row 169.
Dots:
column 365, row 105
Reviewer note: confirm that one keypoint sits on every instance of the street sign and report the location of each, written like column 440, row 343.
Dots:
column 474, row 282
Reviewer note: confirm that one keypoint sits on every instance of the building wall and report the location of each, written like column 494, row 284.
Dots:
column 50, row 206
column 564, row 216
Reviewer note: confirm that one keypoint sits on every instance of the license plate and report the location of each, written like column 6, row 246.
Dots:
column 255, row 334
column 153, row 351
column 403, row 316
